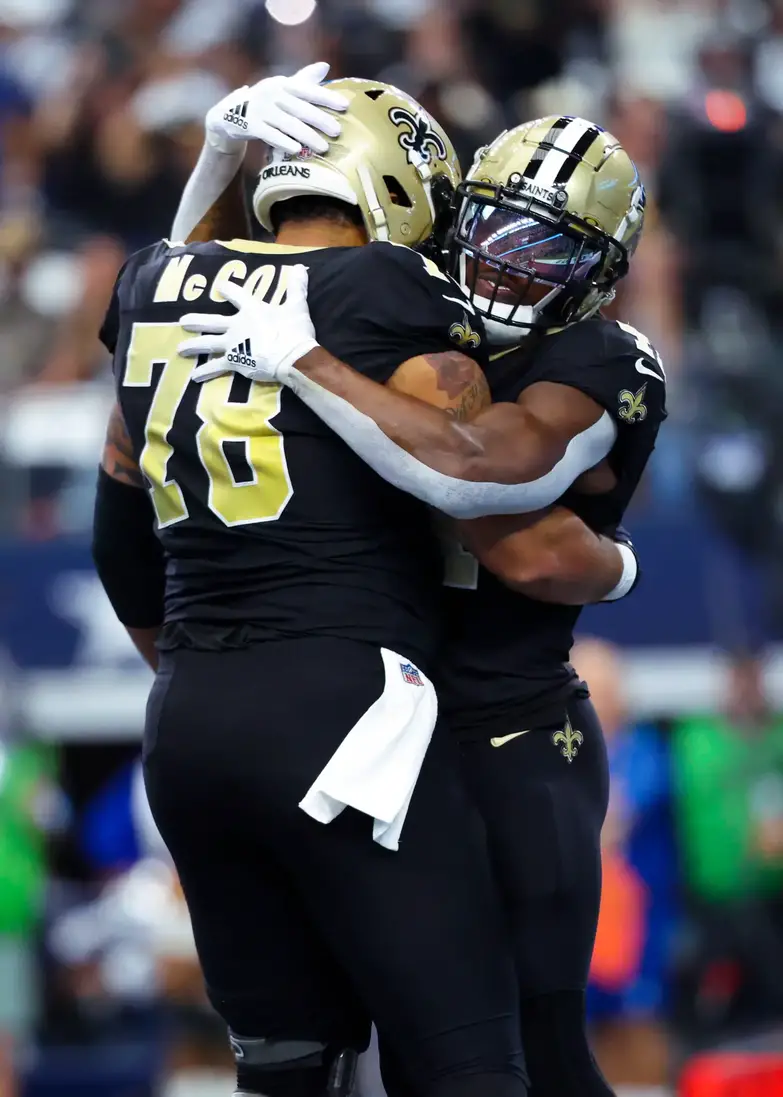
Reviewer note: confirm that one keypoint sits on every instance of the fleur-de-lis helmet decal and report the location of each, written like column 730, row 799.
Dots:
column 418, row 138
column 391, row 159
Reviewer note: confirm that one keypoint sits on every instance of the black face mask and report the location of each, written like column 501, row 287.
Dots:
column 520, row 244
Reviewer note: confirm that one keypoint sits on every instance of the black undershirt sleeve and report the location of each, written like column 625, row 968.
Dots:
column 128, row 556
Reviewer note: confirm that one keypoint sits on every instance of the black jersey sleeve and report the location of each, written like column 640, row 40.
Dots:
column 385, row 304
column 610, row 362
column 110, row 328
column 136, row 277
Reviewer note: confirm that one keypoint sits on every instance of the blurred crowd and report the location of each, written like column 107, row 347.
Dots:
column 102, row 101
column 101, row 111
column 101, row 108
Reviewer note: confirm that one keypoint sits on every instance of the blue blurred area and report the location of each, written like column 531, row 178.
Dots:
column 642, row 791
column 108, row 835
column 48, row 593
column 31, row 628
column 110, row 1070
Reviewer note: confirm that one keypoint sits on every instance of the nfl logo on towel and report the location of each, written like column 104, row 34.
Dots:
column 410, row 674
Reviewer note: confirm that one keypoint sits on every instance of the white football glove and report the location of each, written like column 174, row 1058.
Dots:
column 262, row 342
column 282, row 111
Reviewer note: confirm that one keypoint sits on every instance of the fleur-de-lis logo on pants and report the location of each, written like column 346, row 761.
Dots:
column 569, row 741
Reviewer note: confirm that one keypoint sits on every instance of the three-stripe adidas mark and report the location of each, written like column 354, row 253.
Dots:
column 237, row 115
column 241, row 355
column 563, row 148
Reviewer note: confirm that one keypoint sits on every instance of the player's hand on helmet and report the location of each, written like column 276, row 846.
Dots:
column 282, row 111
column 260, row 341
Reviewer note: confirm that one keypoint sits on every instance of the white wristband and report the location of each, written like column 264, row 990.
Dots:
column 630, row 573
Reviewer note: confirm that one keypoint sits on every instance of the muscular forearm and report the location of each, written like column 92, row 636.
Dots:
column 579, row 577
column 212, row 206
column 503, row 462
column 490, row 448
column 552, row 556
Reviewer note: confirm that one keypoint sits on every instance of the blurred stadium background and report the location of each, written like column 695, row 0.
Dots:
column 101, row 105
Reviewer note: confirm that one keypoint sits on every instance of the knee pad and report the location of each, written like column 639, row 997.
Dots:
column 292, row 1068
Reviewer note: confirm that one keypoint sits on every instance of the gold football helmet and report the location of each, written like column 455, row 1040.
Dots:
column 549, row 217
column 392, row 160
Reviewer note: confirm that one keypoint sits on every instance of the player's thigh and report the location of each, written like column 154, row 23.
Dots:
column 421, row 930
column 245, row 732
column 543, row 797
column 268, row 971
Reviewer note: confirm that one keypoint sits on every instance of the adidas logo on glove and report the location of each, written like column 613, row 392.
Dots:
column 241, row 355
column 237, row 115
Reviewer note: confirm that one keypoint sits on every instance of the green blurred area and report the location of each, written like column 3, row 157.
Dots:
column 729, row 796
column 27, row 776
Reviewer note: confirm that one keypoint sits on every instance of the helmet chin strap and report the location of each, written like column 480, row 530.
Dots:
column 526, row 317
column 379, row 229
column 501, row 329
column 496, row 315
column 500, row 333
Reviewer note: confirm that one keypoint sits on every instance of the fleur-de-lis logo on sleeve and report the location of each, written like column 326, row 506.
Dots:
column 632, row 406
column 464, row 335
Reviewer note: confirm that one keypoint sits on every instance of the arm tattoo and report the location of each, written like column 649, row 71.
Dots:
column 473, row 399
column 118, row 459
column 462, row 381
column 454, row 371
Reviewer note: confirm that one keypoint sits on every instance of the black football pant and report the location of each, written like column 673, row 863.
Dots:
column 543, row 796
column 304, row 930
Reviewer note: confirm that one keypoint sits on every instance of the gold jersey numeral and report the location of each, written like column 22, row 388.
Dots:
column 265, row 497
column 261, row 500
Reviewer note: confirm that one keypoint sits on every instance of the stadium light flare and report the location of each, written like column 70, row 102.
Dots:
column 291, row 12
column 726, row 111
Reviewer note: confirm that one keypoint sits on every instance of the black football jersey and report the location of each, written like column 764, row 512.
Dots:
column 272, row 527
column 507, row 655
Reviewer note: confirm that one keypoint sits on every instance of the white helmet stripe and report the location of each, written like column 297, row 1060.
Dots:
column 555, row 158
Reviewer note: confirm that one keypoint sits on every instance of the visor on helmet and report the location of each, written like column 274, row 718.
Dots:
column 515, row 256
column 512, row 258
column 526, row 246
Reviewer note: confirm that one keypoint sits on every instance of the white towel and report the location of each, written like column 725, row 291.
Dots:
column 375, row 768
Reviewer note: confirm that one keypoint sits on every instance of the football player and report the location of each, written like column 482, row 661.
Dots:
column 290, row 593
column 549, row 219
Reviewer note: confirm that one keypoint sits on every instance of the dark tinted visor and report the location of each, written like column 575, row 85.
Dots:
column 530, row 246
